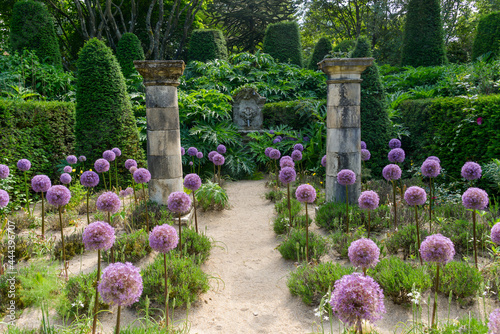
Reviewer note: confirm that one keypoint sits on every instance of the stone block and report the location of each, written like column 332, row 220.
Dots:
column 343, row 117
column 344, row 94
column 161, row 97
column 343, row 140
column 165, row 167
column 163, row 118
column 164, row 143
column 336, row 192
column 160, row 189
column 335, row 162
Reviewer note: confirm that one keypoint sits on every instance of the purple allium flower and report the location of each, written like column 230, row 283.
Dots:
column 120, row 284
column 129, row 190
column 183, row 151
column 271, row 132
column 40, row 183
column 471, row 171
column 274, row 154
column 306, row 139
column 117, row 151
column 365, row 154
column 24, row 165
column 297, row 155
column 298, row 147
column 67, row 169
column 346, row 177
column 142, row 175
column 286, row 161
column 130, row 163
column 218, row 159
column 4, row 198
column 475, row 199
column 391, row 172
column 101, row 165
column 323, row 161
column 279, row 137
column 437, row 248
column 396, row 155
column 65, row 178
column 58, row 195
column 108, row 202
column 368, row 200
column 287, row 175
column 82, row 158
column 415, row 196
column 394, row 143
column 495, row 233
column 221, row 149
column 122, row 193
column 363, row 145
column 178, row 202
column 494, row 322
column 192, row 151
column 191, row 163
column 305, row 193
column 356, row 297
column 432, row 157
column 276, row 140
column 109, row 155
column 192, row 182
column 211, row 155
column 132, row 170
column 89, row 179
column 267, row 151
column 4, row 171
column 98, row 235
column 199, row 155
column 71, row 159
column 364, row 253
column 430, row 168
column 163, row 238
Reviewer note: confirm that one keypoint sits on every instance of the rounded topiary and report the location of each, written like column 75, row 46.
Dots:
column 207, row 44
column 282, row 42
column 375, row 125
column 321, row 49
column 104, row 117
column 32, row 27
column 423, row 42
column 129, row 49
column 487, row 35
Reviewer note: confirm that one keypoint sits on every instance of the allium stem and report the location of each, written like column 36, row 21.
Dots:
column 133, row 187
column 214, row 174
column 110, row 180
column 104, row 180
column 180, row 234
column 347, row 207
column 88, row 217
column 146, row 203
column 27, row 194
column 395, row 206
column 43, row 217
column 195, row 215
column 418, row 235
column 277, row 174
column 117, row 329
column 62, row 241
column 368, row 224
column 474, row 235
column 359, row 325
column 307, row 236
column 94, row 323
column 289, row 210
column 430, row 204
column 166, row 288
column 436, row 288
column 116, row 173
column 109, row 218
column 218, row 175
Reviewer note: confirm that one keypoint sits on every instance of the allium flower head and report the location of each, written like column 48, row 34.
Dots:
column 117, row 151
column 89, row 179
column 396, row 155
column 221, row 149
column 298, row 147
column 67, row 169
column 120, row 284
column 218, row 159
column 391, row 172
column 109, row 155
column 305, row 193
column 129, row 190
column 494, row 322
column 279, row 137
column 286, row 161
column 4, row 171
column 179, row 202
column 274, row 154
column 101, row 165
column 430, row 168
column 108, row 202
column 415, row 196
column 346, row 177
column 122, row 193
column 192, row 182
column 191, row 163
column 495, row 233
column 183, row 151
column 471, row 171
column 142, row 175
column 71, row 159
column 306, row 139
column 65, row 178
column 365, row 154
column 364, row 253
column 130, row 163
column 82, row 158
column 297, row 155
column 199, row 155
column 211, row 155
column 98, row 235
column 192, row 151
column 276, row 140
column 58, row 195
column 163, row 238
column 4, row 198
column 394, row 143
column 368, row 200
column 271, row 132
column 267, row 151
column 132, row 170
column 356, row 297
column 287, row 175
column 24, row 165
column 323, row 161
column 437, row 248
column 40, row 183
column 432, row 157
column 475, row 199
column 363, row 145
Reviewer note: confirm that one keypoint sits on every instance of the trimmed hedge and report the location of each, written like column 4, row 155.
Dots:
column 282, row 42
column 292, row 113
column 488, row 32
column 322, row 48
column 129, row 49
column 207, row 44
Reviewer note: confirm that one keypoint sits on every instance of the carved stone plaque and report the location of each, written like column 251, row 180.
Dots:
column 247, row 109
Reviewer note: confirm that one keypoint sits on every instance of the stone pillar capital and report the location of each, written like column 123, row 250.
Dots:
column 160, row 72
column 344, row 70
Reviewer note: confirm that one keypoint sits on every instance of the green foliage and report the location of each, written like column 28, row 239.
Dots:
column 397, row 278
column 210, row 196
column 129, row 247
column 405, row 238
column 9, row 286
column 196, row 246
column 460, row 233
column 460, row 278
column 423, row 39
column 32, row 27
column 470, row 325
column 282, row 206
column 207, row 44
column 491, row 171
column 129, row 49
column 23, row 248
column 340, row 241
column 346, row 46
column 332, row 216
column 311, row 283
column 158, row 215
column 281, row 222
column 104, row 116
column 322, row 48
column 275, row 195
column 486, row 39
column 282, row 42
column 294, row 246
column 292, row 113
column 73, row 245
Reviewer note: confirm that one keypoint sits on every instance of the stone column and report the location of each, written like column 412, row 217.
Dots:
column 343, row 122
column 161, row 78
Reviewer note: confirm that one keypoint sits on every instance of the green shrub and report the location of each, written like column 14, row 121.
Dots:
column 24, row 248
column 468, row 324
column 210, row 196
column 461, row 278
column 275, row 195
column 129, row 49
column 311, row 283
column 282, row 206
column 397, row 278
column 332, row 216
column 487, row 32
column 129, row 247
column 73, row 245
column 460, row 232
column 196, row 246
column 322, row 48
column 207, row 44
column 405, row 238
column 6, row 287
column 282, row 42
column 345, row 46
column 158, row 215
column 340, row 241
column 281, row 222
column 32, row 27
column 294, row 246
column 292, row 113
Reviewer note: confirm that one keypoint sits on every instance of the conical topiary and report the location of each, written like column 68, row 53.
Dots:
column 207, row 44
column 104, row 117
column 321, row 49
column 282, row 42
column 129, row 49
column 32, row 27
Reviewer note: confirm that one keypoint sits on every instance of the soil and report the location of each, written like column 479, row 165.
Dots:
column 248, row 290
